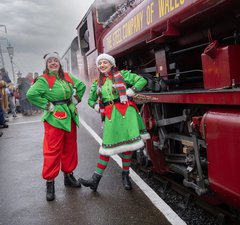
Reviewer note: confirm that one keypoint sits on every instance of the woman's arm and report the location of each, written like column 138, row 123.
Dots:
column 36, row 93
column 79, row 86
column 136, row 82
column 93, row 95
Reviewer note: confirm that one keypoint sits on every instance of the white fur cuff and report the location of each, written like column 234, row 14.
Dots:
column 130, row 92
column 97, row 108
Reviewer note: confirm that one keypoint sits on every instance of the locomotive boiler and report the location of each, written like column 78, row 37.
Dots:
column 189, row 51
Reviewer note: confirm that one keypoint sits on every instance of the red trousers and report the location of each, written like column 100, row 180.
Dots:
column 59, row 150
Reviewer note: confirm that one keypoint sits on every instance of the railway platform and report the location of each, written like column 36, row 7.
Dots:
column 22, row 189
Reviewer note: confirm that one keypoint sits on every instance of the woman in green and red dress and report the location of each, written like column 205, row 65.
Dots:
column 123, row 127
column 58, row 93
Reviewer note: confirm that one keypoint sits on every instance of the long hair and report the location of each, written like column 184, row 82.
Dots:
column 60, row 72
column 100, row 80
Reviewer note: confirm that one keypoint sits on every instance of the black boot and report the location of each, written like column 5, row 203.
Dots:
column 92, row 182
column 126, row 180
column 50, row 191
column 4, row 124
column 70, row 180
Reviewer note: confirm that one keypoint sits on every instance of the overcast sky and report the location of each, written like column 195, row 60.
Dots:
column 36, row 27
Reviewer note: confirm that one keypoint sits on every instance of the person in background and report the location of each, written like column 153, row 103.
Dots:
column 8, row 94
column 3, row 102
column 4, row 76
column 11, row 99
column 17, row 97
column 35, row 76
column 58, row 93
column 3, row 122
column 4, row 79
column 23, row 86
column 4, row 99
column 123, row 127
column 30, row 78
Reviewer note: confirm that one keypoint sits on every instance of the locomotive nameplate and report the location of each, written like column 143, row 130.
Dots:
column 140, row 19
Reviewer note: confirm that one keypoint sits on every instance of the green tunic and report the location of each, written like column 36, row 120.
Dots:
column 40, row 94
column 120, row 133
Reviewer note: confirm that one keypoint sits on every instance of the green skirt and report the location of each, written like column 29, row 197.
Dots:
column 123, row 133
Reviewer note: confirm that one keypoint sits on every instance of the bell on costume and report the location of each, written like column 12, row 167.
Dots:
column 92, row 182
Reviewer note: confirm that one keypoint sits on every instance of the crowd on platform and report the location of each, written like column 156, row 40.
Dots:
column 13, row 98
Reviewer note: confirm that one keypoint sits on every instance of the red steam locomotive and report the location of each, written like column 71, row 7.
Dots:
column 189, row 51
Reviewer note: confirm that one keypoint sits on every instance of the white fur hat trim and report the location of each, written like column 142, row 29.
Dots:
column 106, row 57
column 52, row 55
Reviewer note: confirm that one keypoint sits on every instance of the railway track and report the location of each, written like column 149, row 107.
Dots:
column 186, row 203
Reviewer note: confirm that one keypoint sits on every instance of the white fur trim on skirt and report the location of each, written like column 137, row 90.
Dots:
column 145, row 136
column 123, row 148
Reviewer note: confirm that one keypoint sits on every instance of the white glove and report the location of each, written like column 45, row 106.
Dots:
column 97, row 108
column 74, row 100
column 50, row 107
column 74, row 91
column 130, row 92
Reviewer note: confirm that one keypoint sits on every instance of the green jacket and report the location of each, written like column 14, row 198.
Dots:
column 40, row 95
column 131, row 79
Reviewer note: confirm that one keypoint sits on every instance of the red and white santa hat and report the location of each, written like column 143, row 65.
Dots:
column 52, row 55
column 106, row 57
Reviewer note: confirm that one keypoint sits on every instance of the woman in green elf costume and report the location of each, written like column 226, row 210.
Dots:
column 123, row 127
column 58, row 93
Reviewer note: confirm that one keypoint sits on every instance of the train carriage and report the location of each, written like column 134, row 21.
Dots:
column 189, row 52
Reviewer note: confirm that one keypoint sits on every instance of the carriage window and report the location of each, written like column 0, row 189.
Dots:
column 84, row 39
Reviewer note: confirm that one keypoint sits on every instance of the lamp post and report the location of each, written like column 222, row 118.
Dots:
column 10, row 50
column 1, row 53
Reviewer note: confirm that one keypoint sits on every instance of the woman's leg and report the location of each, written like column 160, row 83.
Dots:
column 69, row 157
column 52, row 148
column 97, row 175
column 126, row 160
column 102, row 164
column 126, row 163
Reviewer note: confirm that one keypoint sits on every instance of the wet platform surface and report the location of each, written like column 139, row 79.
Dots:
column 22, row 189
